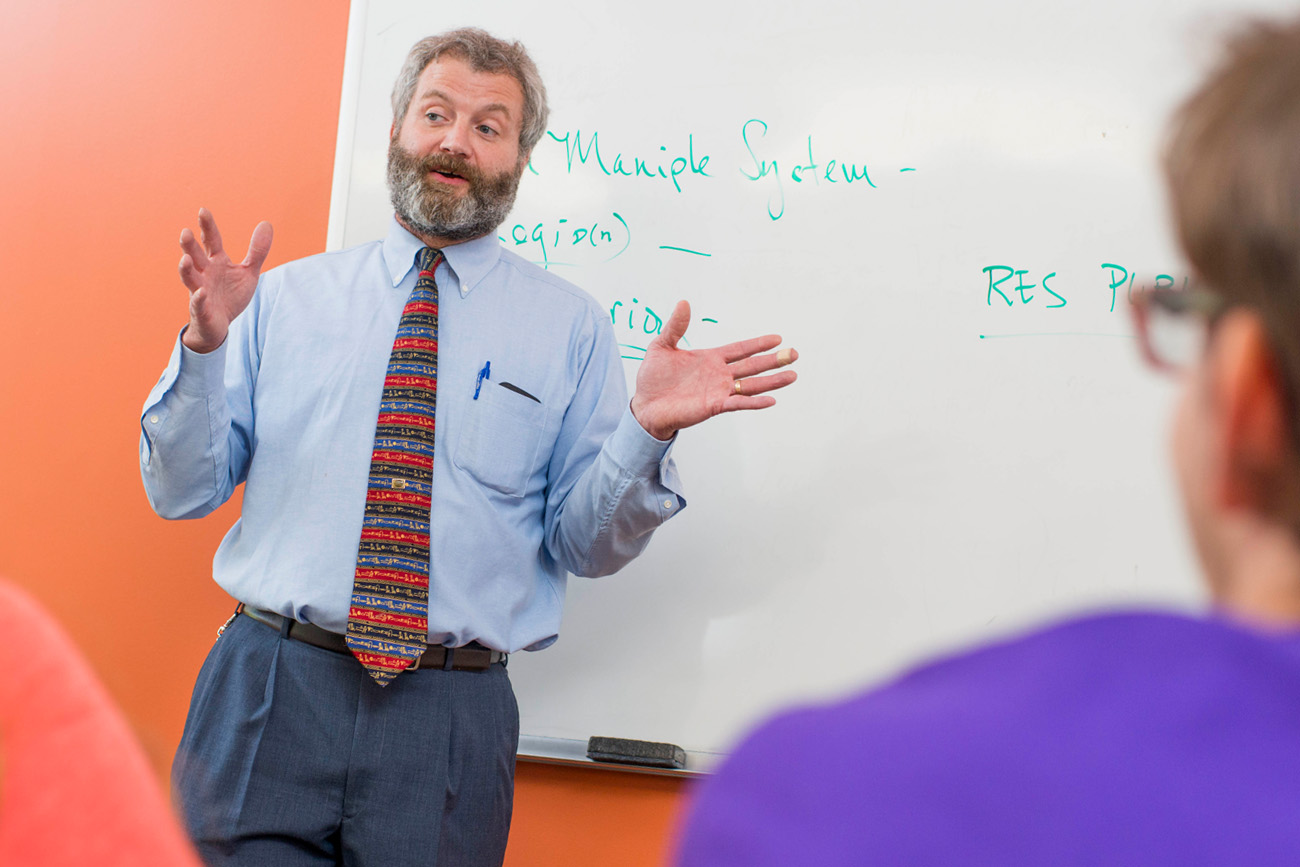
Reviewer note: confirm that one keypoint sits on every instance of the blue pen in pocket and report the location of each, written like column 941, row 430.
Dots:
column 485, row 373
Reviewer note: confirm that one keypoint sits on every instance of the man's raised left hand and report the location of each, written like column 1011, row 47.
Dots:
column 677, row 388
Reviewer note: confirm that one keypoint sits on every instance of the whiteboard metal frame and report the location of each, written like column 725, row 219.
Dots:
column 343, row 150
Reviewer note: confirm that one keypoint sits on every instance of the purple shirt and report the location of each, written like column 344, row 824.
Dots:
column 1134, row 738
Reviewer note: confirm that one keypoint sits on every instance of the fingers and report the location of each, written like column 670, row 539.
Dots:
column 675, row 328
column 763, row 363
column 258, row 246
column 198, row 259
column 761, row 384
column 189, row 274
column 745, row 348
column 209, row 232
column 198, row 256
column 745, row 402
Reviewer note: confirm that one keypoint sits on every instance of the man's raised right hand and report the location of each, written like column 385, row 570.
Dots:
column 219, row 288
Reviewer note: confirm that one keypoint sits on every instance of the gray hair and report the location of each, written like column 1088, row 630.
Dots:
column 484, row 53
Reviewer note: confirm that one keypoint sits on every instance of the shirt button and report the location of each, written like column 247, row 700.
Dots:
column 153, row 419
column 668, row 504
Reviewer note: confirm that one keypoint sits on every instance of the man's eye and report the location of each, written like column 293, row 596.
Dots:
column 487, row 130
column 433, row 115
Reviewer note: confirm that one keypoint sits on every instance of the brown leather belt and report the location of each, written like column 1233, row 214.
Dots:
column 471, row 657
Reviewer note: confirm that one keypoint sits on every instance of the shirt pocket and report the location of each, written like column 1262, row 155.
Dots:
column 503, row 434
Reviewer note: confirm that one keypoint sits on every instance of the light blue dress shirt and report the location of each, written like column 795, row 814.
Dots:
column 524, row 490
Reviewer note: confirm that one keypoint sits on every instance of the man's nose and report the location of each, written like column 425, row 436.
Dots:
column 455, row 139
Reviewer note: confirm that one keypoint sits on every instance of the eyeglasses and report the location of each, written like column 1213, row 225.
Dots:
column 1171, row 324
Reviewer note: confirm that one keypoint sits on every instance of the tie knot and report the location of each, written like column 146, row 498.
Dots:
column 427, row 259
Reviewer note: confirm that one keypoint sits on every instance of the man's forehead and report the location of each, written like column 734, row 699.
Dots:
column 451, row 78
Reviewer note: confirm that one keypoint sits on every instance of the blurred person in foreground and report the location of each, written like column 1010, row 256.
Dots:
column 75, row 787
column 1121, row 738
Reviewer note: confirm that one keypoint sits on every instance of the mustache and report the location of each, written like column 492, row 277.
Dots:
column 450, row 165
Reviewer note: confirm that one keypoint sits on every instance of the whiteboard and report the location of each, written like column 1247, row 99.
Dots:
column 943, row 207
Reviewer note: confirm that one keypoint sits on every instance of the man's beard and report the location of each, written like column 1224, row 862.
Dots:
column 431, row 208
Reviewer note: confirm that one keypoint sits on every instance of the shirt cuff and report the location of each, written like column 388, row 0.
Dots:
column 201, row 373
column 633, row 449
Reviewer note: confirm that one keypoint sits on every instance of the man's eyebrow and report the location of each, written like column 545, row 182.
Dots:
column 434, row 93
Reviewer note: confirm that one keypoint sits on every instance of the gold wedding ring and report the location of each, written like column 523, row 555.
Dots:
column 738, row 391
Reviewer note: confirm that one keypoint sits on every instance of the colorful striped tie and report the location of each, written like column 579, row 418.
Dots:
column 388, row 620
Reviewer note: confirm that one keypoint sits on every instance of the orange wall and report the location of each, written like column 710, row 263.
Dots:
column 119, row 121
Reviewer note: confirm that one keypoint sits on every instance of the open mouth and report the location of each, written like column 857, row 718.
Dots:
column 450, row 177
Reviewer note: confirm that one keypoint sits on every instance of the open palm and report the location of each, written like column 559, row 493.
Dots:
column 677, row 388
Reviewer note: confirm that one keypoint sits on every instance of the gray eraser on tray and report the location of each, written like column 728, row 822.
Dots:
column 626, row 751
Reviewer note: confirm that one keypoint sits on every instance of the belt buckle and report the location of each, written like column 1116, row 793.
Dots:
column 415, row 663
column 239, row 609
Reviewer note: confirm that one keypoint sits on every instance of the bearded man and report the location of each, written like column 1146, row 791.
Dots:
column 431, row 433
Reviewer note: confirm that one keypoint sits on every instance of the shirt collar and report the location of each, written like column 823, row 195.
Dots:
column 469, row 261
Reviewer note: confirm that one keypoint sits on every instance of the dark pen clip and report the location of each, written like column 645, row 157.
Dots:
column 517, row 390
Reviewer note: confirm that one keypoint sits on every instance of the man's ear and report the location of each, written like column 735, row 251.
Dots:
column 1248, row 408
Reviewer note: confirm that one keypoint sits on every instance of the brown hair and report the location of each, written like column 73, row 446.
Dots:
column 1233, row 171
column 484, row 53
